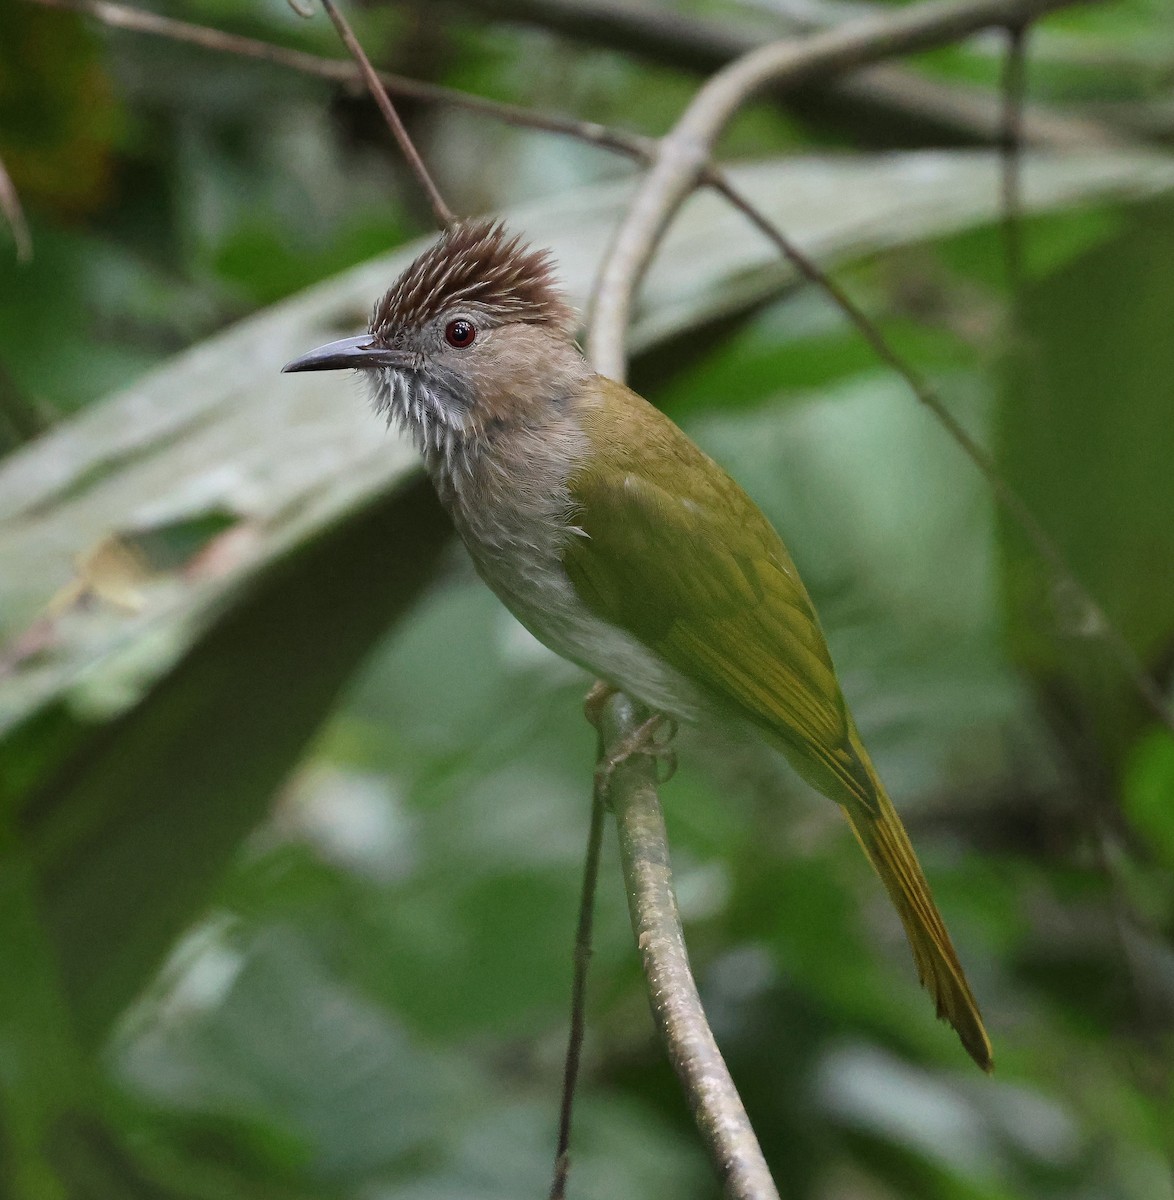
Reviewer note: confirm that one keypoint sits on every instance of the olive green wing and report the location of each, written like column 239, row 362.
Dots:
column 698, row 574
column 674, row 552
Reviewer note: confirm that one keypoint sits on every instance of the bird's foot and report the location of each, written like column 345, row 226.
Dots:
column 652, row 737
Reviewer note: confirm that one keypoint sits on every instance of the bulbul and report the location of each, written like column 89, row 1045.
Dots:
column 618, row 543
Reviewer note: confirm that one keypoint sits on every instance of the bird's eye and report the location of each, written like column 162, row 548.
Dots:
column 460, row 333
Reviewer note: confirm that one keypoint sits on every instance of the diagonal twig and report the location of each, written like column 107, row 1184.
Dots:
column 445, row 218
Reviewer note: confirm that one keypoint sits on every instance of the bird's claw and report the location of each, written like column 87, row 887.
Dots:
column 652, row 737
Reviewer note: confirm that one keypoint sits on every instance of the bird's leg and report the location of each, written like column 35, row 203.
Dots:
column 643, row 739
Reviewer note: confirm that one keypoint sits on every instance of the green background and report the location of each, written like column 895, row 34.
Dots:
column 291, row 811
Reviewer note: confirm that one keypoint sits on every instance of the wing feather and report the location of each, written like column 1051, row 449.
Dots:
column 676, row 554
column 731, row 615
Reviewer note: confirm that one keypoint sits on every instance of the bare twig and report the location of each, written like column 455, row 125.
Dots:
column 14, row 214
column 1004, row 493
column 445, row 218
column 683, row 153
column 676, row 1006
column 562, row 1159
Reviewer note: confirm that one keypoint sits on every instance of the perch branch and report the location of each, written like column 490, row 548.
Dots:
column 676, row 1006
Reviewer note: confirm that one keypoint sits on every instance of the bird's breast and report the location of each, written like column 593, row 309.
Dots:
column 512, row 507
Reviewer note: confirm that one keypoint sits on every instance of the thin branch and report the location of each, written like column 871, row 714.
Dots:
column 338, row 70
column 1004, row 493
column 562, row 1157
column 14, row 214
column 445, row 218
column 676, row 1006
column 683, row 153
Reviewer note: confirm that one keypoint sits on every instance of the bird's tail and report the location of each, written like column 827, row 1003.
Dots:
column 880, row 832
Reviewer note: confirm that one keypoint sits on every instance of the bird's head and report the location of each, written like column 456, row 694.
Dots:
column 474, row 336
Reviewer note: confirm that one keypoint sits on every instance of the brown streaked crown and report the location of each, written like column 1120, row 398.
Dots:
column 478, row 264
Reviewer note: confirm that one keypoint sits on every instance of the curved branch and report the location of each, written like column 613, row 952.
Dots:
column 683, row 154
column 676, row 1006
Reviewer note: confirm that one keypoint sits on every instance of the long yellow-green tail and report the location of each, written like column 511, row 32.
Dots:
column 879, row 830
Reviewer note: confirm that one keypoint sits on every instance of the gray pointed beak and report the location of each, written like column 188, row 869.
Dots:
column 357, row 352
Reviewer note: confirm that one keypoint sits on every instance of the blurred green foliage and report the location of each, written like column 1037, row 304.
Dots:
column 291, row 812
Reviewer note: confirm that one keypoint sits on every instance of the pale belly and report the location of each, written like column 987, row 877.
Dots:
column 527, row 575
column 544, row 601
column 512, row 516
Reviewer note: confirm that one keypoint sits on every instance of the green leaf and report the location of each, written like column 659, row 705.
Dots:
column 1086, row 430
column 135, row 827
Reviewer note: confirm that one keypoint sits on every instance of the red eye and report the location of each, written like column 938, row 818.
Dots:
column 460, row 333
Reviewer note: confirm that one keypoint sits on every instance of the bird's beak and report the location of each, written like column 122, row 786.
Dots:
column 357, row 352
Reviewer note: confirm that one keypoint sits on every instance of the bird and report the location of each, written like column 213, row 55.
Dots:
column 619, row 543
